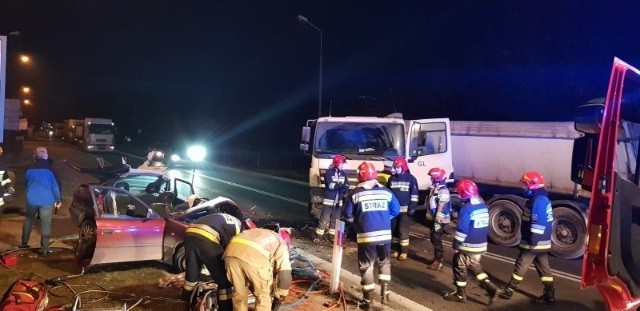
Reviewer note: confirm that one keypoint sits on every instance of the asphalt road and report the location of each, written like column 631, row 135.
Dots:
column 270, row 198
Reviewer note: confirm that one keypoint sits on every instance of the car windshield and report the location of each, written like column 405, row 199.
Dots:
column 355, row 139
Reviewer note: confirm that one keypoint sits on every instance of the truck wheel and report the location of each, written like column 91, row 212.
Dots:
column 569, row 233
column 315, row 210
column 504, row 222
column 179, row 259
column 86, row 243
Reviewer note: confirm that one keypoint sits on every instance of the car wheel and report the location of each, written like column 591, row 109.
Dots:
column 86, row 242
column 179, row 259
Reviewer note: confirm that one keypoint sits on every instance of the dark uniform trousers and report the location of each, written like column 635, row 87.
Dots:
column 540, row 261
column 367, row 256
column 400, row 229
column 463, row 262
column 202, row 251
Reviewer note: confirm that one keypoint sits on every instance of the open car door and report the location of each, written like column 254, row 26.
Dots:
column 429, row 146
column 612, row 258
column 124, row 229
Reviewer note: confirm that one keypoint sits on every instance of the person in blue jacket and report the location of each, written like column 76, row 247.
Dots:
column 370, row 207
column 43, row 195
column 336, row 183
column 536, row 226
column 405, row 187
column 470, row 243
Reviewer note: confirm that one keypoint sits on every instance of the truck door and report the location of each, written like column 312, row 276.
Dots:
column 428, row 146
column 612, row 258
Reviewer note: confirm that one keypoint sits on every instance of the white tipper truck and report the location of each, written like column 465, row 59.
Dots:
column 496, row 154
column 424, row 143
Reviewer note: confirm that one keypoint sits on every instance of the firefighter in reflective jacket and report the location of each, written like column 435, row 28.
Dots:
column 405, row 187
column 204, row 242
column 371, row 207
column 470, row 243
column 252, row 260
column 536, row 227
column 440, row 213
column 336, row 183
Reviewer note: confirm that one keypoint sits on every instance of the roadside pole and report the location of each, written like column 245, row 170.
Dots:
column 336, row 259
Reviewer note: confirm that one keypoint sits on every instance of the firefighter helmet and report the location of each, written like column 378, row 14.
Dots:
column 533, row 180
column 467, row 189
column 338, row 159
column 437, row 174
column 366, row 171
column 402, row 163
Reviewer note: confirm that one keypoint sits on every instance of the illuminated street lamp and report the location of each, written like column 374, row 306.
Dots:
column 25, row 59
column 303, row 19
column 26, row 89
column 27, row 102
column 196, row 154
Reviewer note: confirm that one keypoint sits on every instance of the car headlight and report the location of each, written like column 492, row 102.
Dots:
column 175, row 158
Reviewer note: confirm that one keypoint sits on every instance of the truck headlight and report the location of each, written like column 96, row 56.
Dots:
column 175, row 158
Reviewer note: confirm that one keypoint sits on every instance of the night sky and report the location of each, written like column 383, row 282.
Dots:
column 245, row 73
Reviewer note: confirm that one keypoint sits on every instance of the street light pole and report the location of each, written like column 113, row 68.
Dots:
column 306, row 21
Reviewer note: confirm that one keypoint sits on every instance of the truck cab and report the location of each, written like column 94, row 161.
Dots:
column 424, row 143
column 98, row 134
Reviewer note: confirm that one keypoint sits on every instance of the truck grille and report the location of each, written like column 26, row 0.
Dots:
column 101, row 140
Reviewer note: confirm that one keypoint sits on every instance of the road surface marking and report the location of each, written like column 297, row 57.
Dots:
column 560, row 274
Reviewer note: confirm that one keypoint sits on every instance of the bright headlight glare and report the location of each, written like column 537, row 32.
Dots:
column 175, row 157
column 196, row 153
column 159, row 154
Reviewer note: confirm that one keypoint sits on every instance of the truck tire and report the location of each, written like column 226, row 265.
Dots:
column 569, row 233
column 315, row 210
column 505, row 216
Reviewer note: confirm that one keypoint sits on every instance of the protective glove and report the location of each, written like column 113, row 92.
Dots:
column 277, row 302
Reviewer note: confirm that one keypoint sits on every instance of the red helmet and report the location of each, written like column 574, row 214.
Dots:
column 533, row 180
column 401, row 162
column 366, row 171
column 338, row 159
column 437, row 174
column 466, row 189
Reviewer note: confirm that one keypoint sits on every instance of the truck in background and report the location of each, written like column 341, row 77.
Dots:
column 69, row 129
column 96, row 134
column 496, row 154
column 13, row 137
column 424, row 143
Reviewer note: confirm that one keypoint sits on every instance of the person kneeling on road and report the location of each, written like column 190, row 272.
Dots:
column 470, row 243
column 405, row 187
column 370, row 208
column 204, row 242
column 537, row 220
column 256, row 256
column 439, row 213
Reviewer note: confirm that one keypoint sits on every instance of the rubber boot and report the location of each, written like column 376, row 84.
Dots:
column 394, row 254
column 366, row 303
column 508, row 290
column 435, row 265
column 492, row 289
column 458, row 296
column 548, row 296
column 402, row 256
column 318, row 239
column 384, row 292
column 225, row 305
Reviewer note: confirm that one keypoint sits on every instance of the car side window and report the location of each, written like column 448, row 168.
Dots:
column 118, row 203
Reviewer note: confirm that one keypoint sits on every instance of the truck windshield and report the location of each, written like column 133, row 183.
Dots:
column 100, row 129
column 359, row 139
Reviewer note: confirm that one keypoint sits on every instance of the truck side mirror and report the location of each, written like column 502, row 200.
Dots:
column 588, row 118
column 304, row 147
column 306, row 134
column 583, row 160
